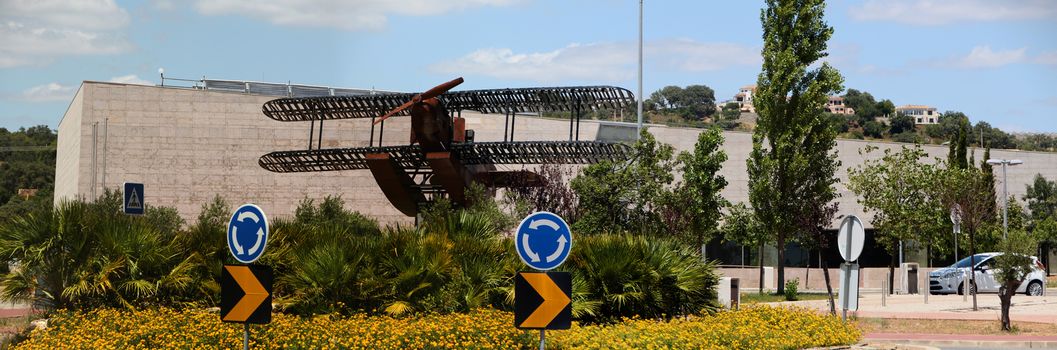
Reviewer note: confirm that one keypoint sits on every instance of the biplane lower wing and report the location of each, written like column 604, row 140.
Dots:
column 477, row 153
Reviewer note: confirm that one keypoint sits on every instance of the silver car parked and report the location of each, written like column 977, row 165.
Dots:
column 951, row 279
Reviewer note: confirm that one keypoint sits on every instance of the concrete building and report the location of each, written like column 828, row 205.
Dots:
column 188, row 145
column 923, row 115
column 835, row 105
column 744, row 98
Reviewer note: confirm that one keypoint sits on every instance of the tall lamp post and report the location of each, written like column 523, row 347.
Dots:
column 1005, row 190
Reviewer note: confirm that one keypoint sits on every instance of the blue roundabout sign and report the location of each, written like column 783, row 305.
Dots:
column 247, row 233
column 543, row 240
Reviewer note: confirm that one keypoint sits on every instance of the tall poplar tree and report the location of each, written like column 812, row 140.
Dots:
column 792, row 164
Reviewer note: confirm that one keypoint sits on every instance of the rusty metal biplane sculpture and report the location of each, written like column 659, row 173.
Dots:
column 442, row 158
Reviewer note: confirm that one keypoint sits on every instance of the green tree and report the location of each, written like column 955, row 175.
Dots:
column 901, row 123
column 27, row 160
column 957, row 155
column 863, row 103
column 1041, row 198
column 988, row 174
column 696, row 202
column 873, row 129
column 626, row 196
column 792, row 137
column 731, row 111
column 900, row 190
column 1011, row 268
column 741, row 226
column 693, row 102
column 993, row 137
column 886, row 108
column 967, row 189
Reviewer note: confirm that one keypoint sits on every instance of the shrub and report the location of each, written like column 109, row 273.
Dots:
column 455, row 261
column 791, row 287
column 625, row 275
column 84, row 255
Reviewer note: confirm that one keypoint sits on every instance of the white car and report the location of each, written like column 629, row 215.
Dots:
column 949, row 280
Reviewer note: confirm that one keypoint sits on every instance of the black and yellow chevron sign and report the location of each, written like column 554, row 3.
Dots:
column 246, row 294
column 542, row 300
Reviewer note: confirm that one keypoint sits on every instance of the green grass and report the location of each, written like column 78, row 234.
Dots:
column 747, row 298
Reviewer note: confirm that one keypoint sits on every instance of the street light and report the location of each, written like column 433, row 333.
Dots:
column 1005, row 190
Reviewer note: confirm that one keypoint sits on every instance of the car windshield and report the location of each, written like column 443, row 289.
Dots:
column 965, row 262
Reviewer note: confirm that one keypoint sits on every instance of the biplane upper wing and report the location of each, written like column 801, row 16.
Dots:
column 520, row 100
column 478, row 153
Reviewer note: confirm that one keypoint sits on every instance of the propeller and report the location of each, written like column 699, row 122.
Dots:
column 431, row 93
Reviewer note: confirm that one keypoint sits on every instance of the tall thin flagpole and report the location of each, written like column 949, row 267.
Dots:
column 638, row 132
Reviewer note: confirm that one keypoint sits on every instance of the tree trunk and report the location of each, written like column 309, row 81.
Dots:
column 1005, row 294
column 892, row 270
column 760, row 258
column 928, row 255
column 781, row 264
column 829, row 288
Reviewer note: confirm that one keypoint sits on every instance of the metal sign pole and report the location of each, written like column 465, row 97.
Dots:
column 543, row 339
column 846, row 271
column 245, row 336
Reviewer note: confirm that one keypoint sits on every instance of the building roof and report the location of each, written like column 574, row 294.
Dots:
column 914, row 107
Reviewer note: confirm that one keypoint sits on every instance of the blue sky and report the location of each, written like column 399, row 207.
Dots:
column 994, row 60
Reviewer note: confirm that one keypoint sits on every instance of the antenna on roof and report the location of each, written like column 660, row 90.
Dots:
column 161, row 72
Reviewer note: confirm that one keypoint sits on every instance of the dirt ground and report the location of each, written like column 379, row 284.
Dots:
column 881, row 325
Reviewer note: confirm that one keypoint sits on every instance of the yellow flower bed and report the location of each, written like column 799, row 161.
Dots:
column 752, row 327
column 199, row 329
column 757, row 327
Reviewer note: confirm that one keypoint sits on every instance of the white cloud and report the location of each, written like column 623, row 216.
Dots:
column 164, row 5
column 693, row 56
column 1049, row 57
column 934, row 12
column 35, row 32
column 130, row 79
column 341, row 14
column 48, row 93
column 600, row 61
column 984, row 57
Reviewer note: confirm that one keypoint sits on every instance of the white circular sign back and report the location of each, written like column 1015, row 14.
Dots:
column 850, row 238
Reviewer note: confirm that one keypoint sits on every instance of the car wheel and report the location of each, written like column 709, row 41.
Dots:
column 1034, row 289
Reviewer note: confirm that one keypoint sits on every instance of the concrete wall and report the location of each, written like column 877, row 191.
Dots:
column 738, row 145
column 68, row 154
column 188, row 145
column 813, row 279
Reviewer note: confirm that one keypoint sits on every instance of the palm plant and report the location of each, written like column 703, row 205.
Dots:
column 82, row 254
column 631, row 275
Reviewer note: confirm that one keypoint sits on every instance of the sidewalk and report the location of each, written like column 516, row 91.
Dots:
column 965, row 340
column 1041, row 309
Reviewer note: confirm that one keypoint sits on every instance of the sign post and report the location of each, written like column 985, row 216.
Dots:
column 246, row 289
column 132, row 199
column 543, row 300
column 850, row 240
